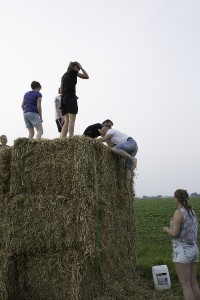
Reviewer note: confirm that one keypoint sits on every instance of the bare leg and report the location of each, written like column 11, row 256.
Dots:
column 64, row 130
column 128, row 177
column 126, row 155
column 72, row 119
column 193, row 279
column 39, row 131
column 31, row 133
column 183, row 273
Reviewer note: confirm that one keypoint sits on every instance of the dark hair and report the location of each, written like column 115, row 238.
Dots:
column 183, row 198
column 35, row 85
column 107, row 123
column 72, row 64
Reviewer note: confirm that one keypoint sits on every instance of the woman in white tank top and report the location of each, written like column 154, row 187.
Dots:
column 185, row 253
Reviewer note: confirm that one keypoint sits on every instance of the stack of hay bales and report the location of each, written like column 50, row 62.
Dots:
column 5, row 155
column 71, row 225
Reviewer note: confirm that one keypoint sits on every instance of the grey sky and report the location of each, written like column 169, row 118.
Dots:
column 143, row 61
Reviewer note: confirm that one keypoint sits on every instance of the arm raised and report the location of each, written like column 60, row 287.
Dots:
column 84, row 74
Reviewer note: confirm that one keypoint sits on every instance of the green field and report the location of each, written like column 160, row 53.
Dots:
column 153, row 246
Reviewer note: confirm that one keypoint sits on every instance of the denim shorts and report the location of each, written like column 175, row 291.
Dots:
column 32, row 119
column 130, row 146
column 184, row 253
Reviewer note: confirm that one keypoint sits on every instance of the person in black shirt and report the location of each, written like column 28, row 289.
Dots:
column 94, row 130
column 69, row 105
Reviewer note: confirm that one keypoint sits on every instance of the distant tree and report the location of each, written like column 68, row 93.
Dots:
column 194, row 194
column 159, row 196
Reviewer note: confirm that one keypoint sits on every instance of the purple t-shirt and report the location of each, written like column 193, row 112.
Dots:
column 30, row 101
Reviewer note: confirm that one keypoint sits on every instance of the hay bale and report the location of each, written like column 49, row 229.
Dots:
column 5, row 157
column 57, row 166
column 8, row 276
column 3, row 276
column 68, row 206
column 44, row 166
column 4, row 224
column 97, row 231
column 54, row 276
column 39, row 224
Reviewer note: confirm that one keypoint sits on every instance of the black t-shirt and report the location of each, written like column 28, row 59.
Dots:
column 69, row 81
column 92, row 130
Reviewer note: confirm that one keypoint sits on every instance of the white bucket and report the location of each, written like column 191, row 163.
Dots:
column 161, row 277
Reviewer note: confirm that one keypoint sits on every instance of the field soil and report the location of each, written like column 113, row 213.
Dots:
column 140, row 288
column 144, row 289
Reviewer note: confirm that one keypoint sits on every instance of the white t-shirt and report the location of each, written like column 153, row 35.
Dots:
column 117, row 137
column 58, row 114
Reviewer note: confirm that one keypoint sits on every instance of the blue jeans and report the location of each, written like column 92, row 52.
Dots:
column 32, row 119
column 131, row 148
column 184, row 253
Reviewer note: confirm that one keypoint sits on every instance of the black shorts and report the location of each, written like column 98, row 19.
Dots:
column 69, row 105
column 59, row 124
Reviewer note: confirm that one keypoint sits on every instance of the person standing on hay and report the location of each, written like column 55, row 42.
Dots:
column 123, row 145
column 69, row 105
column 32, row 109
column 3, row 141
column 94, row 130
column 58, row 116
column 185, row 252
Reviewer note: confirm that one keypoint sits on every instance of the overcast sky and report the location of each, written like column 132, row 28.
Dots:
column 143, row 59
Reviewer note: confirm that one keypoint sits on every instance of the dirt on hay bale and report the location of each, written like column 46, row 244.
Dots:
column 5, row 156
column 139, row 288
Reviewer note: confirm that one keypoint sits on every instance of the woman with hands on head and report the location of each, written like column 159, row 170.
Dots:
column 69, row 105
column 183, row 231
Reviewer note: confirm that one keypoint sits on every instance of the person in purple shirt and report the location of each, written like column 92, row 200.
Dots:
column 32, row 109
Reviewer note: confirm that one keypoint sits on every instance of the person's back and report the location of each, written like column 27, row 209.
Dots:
column 117, row 136
column 185, row 252
column 32, row 110
column 69, row 104
column 30, row 101
column 69, row 81
column 189, row 228
column 93, row 130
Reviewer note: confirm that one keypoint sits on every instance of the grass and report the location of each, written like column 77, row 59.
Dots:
column 153, row 246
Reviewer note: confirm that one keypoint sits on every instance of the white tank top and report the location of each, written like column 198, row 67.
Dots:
column 189, row 228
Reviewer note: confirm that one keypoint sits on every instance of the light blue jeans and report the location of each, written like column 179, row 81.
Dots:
column 184, row 253
column 32, row 119
column 130, row 146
